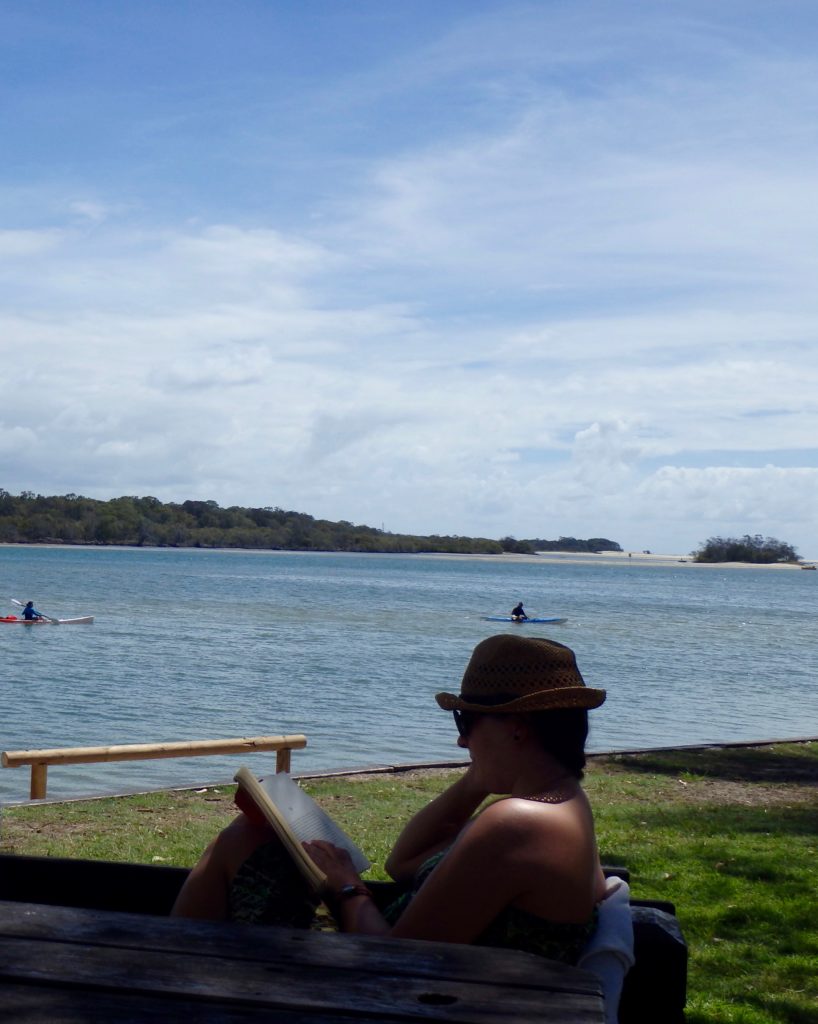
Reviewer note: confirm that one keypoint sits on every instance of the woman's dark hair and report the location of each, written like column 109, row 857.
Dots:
column 562, row 733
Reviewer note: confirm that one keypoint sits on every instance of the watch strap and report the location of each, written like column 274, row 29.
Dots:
column 346, row 892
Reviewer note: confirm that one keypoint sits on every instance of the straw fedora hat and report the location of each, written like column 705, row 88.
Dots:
column 509, row 674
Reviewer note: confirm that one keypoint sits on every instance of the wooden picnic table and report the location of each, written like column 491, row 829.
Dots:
column 70, row 964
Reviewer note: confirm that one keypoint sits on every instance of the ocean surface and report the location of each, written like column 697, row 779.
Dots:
column 350, row 650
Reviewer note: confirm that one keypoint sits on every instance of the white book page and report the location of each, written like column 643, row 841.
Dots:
column 307, row 820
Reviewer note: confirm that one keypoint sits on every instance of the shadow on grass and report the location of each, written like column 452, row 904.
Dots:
column 786, row 1008
column 778, row 1011
column 794, row 766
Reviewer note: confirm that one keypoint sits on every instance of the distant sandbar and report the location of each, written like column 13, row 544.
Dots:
column 619, row 558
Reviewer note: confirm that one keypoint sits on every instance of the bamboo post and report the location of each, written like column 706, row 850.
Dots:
column 39, row 781
column 40, row 759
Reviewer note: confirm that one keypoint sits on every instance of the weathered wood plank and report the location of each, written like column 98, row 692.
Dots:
column 308, row 949
column 277, row 985
column 24, row 1004
column 76, row 958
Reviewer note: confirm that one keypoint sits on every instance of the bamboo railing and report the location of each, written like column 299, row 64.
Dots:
column 41, row 759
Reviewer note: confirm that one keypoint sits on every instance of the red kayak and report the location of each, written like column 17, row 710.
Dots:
column 12, row 620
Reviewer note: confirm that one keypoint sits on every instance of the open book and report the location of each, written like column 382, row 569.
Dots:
column 295, row 818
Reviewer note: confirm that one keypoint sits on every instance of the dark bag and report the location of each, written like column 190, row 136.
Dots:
column 655, row 988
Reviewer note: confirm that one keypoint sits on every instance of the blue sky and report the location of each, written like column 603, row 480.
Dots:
column 537, row 269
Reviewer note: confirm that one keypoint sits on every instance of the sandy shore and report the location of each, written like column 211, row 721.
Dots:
column 618, row 558
column 644, row 558
column 576, row 557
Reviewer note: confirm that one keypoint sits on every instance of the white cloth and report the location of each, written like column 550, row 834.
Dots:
column 609, row 952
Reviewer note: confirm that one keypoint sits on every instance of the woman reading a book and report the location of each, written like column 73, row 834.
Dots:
column 522, row 872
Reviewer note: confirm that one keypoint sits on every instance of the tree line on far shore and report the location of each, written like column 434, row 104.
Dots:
column 756, row 549
column 147, row 522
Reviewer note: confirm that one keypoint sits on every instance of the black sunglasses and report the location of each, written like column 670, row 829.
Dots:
column 464, row 720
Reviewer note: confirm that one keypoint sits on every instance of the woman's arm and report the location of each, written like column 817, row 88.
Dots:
column 537, row 857
column 465, row 892
column 435, row 827
column 481, row 875
column 355, row 912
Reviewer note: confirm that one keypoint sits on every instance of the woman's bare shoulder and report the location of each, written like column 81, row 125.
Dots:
column 510, row 817
column 516, row 808
column 518, row 818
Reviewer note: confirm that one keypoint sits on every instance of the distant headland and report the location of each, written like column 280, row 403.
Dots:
column 148, row 522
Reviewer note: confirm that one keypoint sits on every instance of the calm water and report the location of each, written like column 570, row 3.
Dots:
column 350, row 650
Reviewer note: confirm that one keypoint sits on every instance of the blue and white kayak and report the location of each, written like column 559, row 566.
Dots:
column 519, row 622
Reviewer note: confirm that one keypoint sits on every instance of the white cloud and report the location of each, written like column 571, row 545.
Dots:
column 732, row 501
column 89, row 210
column 12, row 439
column 542, row 255
column 20, row 244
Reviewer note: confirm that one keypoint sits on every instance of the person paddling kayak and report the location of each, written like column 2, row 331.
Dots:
column 518, row 613
column 30, row 612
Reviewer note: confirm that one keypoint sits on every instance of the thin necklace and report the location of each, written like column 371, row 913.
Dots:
column 559, row 790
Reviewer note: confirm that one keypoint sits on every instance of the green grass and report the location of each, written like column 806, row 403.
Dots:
column 730, row 836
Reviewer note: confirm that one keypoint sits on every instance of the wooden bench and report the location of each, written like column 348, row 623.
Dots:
column 654, row 991
column 75, row 965
column 41, row 759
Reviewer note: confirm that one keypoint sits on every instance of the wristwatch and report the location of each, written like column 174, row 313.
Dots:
column 346, row 892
